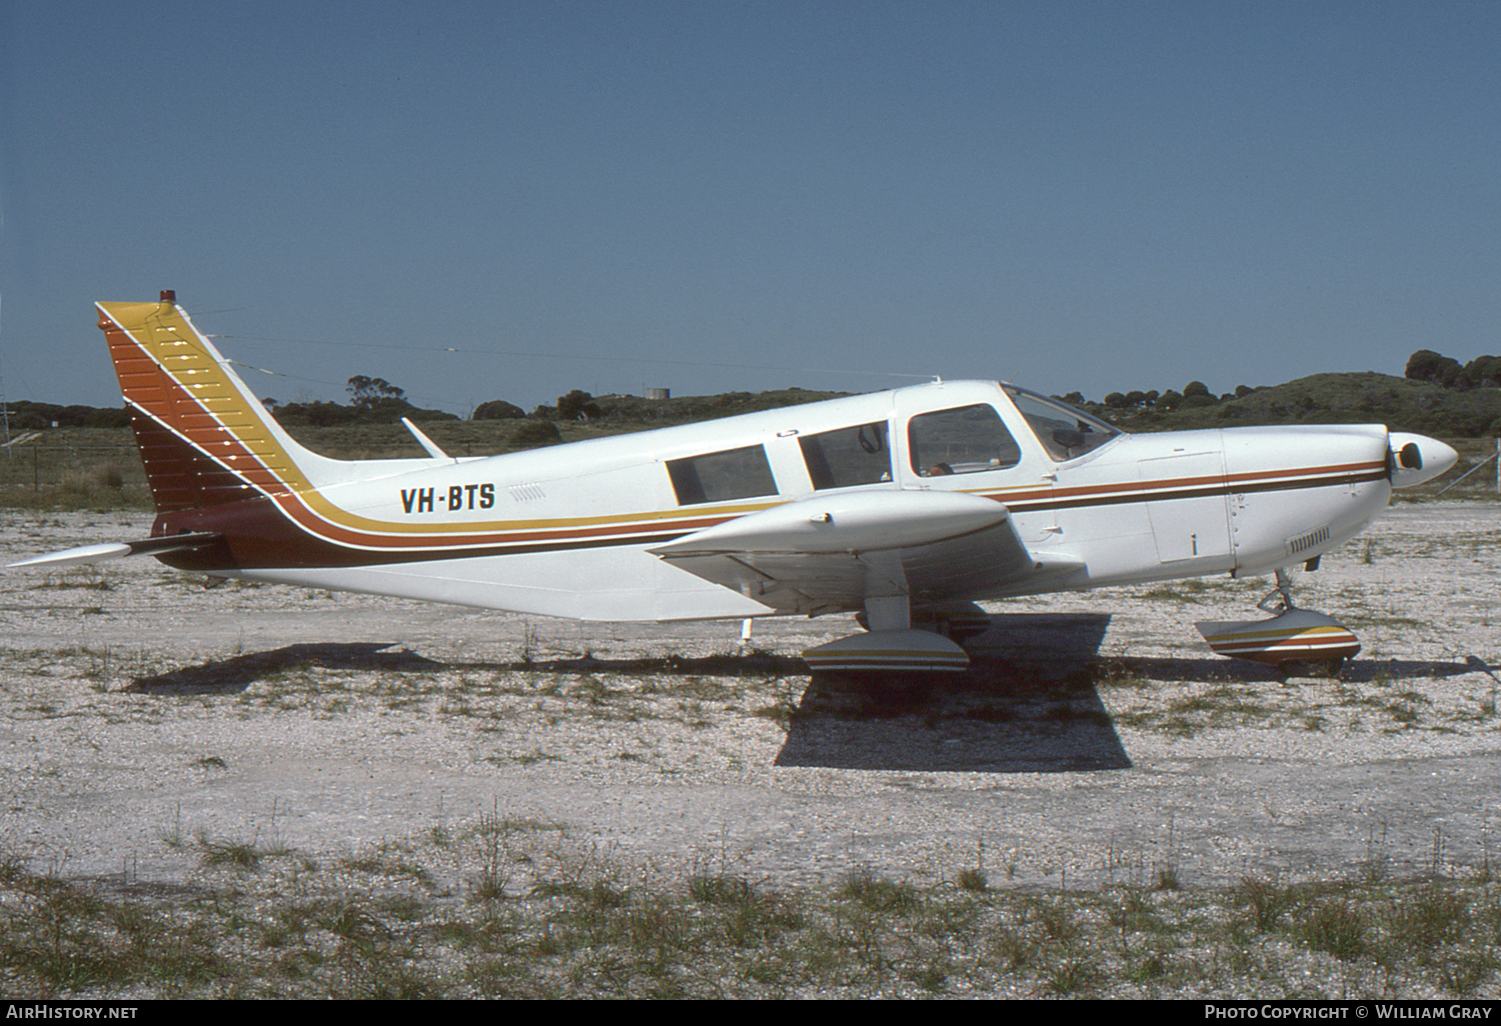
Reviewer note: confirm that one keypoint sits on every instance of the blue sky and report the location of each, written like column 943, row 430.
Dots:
column 508, row 200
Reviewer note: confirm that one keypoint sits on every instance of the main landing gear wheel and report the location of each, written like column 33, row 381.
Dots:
column 893, row 643
column 1296, row 642
column 889, row 651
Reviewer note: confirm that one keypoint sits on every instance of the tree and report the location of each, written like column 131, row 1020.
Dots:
column 1196, row 393
column 498, row 409
column 369, row 391
column 1484, row 372
column 577, row 405
column 1426, row 365
column 537, row 432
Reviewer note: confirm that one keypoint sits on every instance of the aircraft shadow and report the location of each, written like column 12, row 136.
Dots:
column 750, row 664
column 1027, row 704
column 227, row 676
column 1218, row 668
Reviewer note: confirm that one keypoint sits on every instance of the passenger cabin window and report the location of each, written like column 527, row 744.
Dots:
column 721, row 476
column 850, row 456
column 1065, row 432
column 964, row 440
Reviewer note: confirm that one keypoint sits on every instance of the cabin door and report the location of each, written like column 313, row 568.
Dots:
column 969, row 448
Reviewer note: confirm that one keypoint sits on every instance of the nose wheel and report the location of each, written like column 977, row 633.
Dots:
column 1296, row 642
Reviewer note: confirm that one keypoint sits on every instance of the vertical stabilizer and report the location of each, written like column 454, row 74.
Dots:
column 204, row 437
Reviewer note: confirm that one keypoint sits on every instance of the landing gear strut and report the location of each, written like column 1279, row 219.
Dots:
column 1297, row 642
column 1280, row 599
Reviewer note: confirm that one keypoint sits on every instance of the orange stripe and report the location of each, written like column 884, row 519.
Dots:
column 198, row 401
column 159, row 394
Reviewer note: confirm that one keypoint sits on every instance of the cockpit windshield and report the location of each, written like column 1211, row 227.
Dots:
column 1065, row 432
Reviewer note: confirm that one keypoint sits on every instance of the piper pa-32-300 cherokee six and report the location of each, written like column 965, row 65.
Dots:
column 905, row 507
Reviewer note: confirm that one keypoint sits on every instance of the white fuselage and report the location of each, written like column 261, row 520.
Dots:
column 567, row 530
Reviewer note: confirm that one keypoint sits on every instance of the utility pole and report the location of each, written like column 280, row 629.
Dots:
column 5, row 416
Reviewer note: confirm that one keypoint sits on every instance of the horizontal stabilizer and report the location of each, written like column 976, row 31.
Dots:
column 85, row 554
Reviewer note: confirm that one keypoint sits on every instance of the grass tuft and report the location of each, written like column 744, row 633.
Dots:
column 372, row 926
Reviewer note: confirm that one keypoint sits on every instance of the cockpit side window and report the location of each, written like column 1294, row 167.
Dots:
column 849, row 456
column 1065, row 432
column 721, row 476
column 964, row 440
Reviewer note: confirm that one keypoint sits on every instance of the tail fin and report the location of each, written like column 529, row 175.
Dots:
column 204, row 437
column 208, row 443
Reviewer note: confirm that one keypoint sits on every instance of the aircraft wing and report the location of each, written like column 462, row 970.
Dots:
column 115, row 550
column 830, row 553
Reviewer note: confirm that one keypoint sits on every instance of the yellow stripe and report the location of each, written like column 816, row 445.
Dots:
column 1284, row 633
column 194, row 368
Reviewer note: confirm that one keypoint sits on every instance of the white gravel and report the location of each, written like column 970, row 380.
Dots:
column 333, row 722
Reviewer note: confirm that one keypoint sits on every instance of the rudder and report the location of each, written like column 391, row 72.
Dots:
column 204, row 437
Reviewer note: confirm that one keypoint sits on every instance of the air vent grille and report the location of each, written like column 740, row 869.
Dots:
column 1308, row 541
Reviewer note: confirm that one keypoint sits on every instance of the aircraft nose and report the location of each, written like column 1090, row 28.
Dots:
column 1414, row 459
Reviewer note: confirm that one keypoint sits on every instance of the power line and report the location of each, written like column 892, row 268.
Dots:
column 334, row 384
column 568, row 356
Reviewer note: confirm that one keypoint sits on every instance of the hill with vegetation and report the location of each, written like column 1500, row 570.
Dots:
column 629, row 409
column 88, row 459
column 1402, row 404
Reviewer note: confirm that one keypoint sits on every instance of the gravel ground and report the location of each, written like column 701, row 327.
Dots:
column 1096, row 740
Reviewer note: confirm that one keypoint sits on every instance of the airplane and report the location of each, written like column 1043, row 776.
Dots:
column 905, row 507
